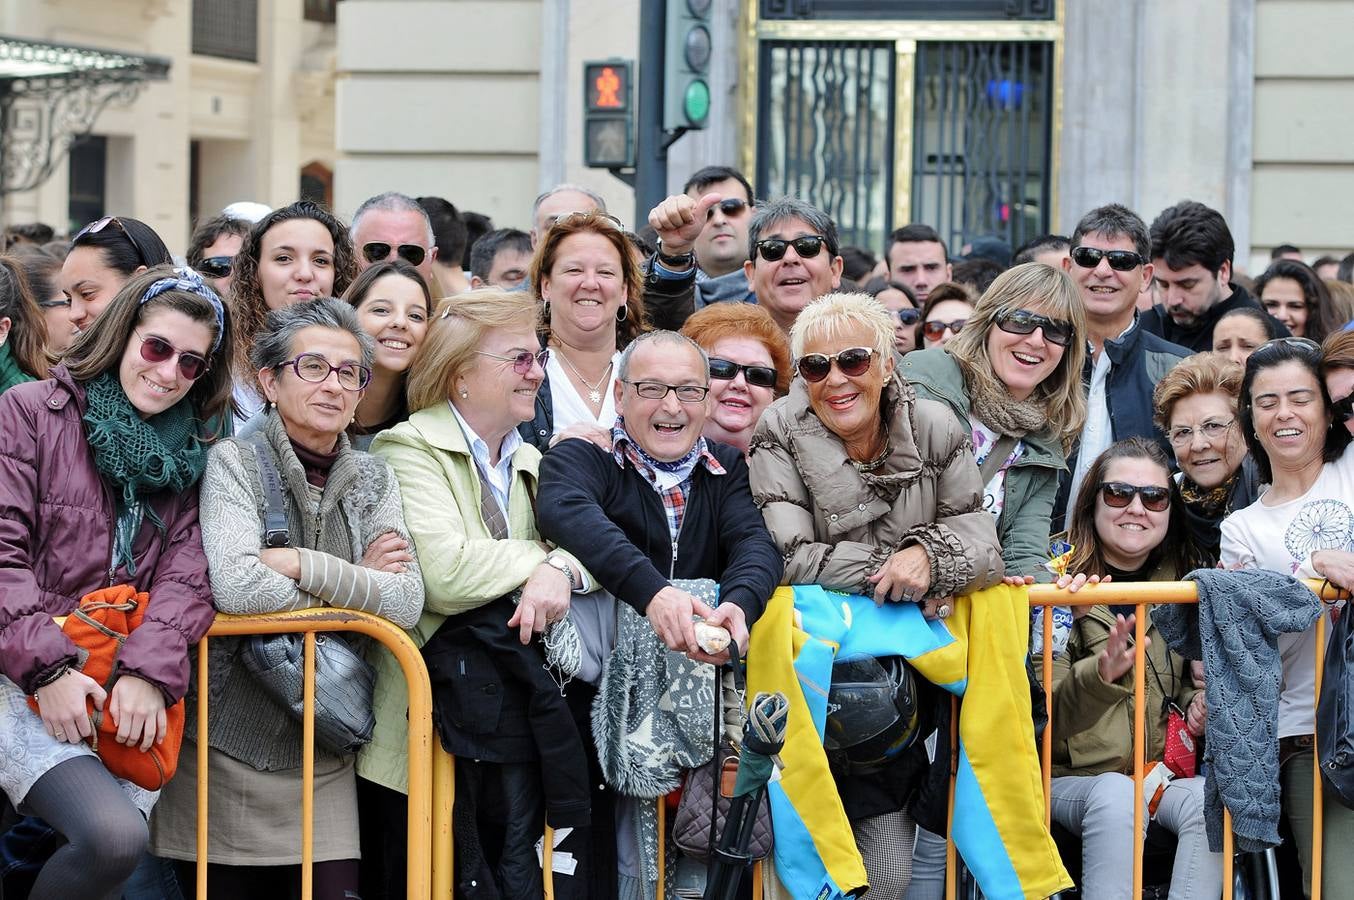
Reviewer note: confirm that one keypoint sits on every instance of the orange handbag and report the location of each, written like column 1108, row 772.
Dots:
column 99, row 627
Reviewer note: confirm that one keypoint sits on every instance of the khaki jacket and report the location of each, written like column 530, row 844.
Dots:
column 837, row 525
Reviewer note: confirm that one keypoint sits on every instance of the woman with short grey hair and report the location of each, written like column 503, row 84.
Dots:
column 348, row 547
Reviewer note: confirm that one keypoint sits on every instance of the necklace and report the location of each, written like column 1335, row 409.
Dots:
column 594, row 390
column 873, row 465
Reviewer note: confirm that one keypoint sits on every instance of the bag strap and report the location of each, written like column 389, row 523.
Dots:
column 276, row 531
column 992, row 464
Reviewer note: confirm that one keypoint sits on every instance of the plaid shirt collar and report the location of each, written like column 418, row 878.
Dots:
column 624, row 449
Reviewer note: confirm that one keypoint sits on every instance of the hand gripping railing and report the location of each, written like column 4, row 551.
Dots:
column 1142, row 595
column 429, row 802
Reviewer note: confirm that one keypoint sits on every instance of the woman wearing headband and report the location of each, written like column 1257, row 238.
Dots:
column 99, row 467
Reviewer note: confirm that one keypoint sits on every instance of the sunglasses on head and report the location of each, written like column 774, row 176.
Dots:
column 157, row 350
column 757, row 376
column 522, row 361
column 807, row 247
column 730, row 207
column 1118, row 494
column 375, row 251
column 935, row 329
column 100, row 224
column 216, row 266
column 1022, row 321
column 814, row 367
column 1120, row 260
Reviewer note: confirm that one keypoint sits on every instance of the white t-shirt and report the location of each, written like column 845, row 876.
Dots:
column 1282, row 538
column 569, row 407
column 994, row 492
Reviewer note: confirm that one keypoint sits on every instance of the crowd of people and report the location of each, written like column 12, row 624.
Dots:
column 563, row 457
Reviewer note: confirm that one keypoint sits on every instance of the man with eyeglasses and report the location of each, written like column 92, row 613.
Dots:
column 1109, row 263
column 721, row 248
column 794, row 257
column 393, row 225
column 917, row 257
column 1192, row 251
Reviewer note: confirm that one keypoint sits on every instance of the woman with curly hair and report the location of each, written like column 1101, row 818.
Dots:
column 297, row 253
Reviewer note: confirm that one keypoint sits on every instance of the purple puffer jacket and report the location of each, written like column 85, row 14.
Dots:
column 56, row 539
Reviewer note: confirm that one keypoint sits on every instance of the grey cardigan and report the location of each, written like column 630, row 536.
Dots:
column 360, row 501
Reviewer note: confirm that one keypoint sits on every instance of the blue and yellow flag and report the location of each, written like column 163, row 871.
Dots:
column 978, row 653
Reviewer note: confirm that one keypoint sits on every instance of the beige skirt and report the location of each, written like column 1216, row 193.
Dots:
column 254, row 818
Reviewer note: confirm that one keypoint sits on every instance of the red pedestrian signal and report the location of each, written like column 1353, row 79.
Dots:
column 608, row 115
column 608, row 86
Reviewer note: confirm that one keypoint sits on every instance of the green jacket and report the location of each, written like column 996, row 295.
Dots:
column 1031, row 481
column 463, row 566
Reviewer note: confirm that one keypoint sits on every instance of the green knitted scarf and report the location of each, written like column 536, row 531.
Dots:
column 139, row 457
column 10, row 373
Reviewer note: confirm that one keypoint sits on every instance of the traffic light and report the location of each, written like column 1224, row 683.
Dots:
column 608, row 115
column 686, row 65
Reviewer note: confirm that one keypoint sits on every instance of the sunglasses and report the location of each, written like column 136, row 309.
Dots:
column 100, row 224
column 1118, row 494
column 1120, row 260
column 855, row 361
column 1022, row 321
column 807, row 247
column 730, row 208
column 216, row 266
column 757, row 376
column 1343, row 410
column 907, row 316
column 375, row 251
column 315, row 368
column 600, row 218
column 157, row 350
column 935, row 329
column 56, row 303
column 523, row 361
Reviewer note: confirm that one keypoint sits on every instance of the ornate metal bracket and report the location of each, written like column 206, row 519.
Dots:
column 50, row 95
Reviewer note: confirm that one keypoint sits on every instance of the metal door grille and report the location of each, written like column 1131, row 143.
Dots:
column 982, row 139
column 825, row 131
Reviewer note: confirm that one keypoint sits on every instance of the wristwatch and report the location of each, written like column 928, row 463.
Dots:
column 676, row 259
column 559, row 562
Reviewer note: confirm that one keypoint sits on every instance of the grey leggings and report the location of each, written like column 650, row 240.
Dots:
column 105, row 834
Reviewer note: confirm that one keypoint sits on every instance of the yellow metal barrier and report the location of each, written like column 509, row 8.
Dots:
column 1141, row 595
column 429, row 802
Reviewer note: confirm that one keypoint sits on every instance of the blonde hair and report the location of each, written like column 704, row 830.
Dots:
column 831, row 314
column 1033, row 286
column 1202, row 373
column 455, row 335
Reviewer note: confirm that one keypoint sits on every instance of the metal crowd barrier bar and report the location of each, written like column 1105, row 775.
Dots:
column 429, row 800
column 1142, row 595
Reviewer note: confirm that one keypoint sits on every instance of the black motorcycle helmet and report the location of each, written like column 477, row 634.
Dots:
column 872, row 709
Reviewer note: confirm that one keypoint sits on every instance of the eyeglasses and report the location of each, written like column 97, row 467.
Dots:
column 1119, row 494
column 1184, row 436
column 1120, row 260
column 100, row 224
column 1022, row 321
column 806, row 247
column 657, row 390
column 814, row 367
column 58, row 303
column 757, row 376
column 729, row 207
column 935, row 329
column 216, row 266
column 521, row 362
column 907, row 316
column 157, row 350
column 315, row 368
column 1342, row 410
column 375, row 251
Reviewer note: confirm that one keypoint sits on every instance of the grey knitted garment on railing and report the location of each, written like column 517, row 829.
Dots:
column 1235, row 630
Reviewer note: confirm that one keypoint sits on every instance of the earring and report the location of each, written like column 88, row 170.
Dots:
column 463, row 393
column 545, row 310
column 623, row 313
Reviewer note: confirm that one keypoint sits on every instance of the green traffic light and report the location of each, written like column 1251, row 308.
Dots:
column 696, row 102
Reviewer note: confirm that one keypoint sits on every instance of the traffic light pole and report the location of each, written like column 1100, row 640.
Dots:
column 651, row 156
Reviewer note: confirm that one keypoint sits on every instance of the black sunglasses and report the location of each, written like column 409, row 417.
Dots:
column 1118, row 494
column 1120, row 260
column 729, row 207
column 375, row 251
column 1343, row 410
column 807, row 247
column 216, row 266
column 100, row 224
column 757, row 376
column 814, row 367
column 1022, row 321
column 907, row 316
